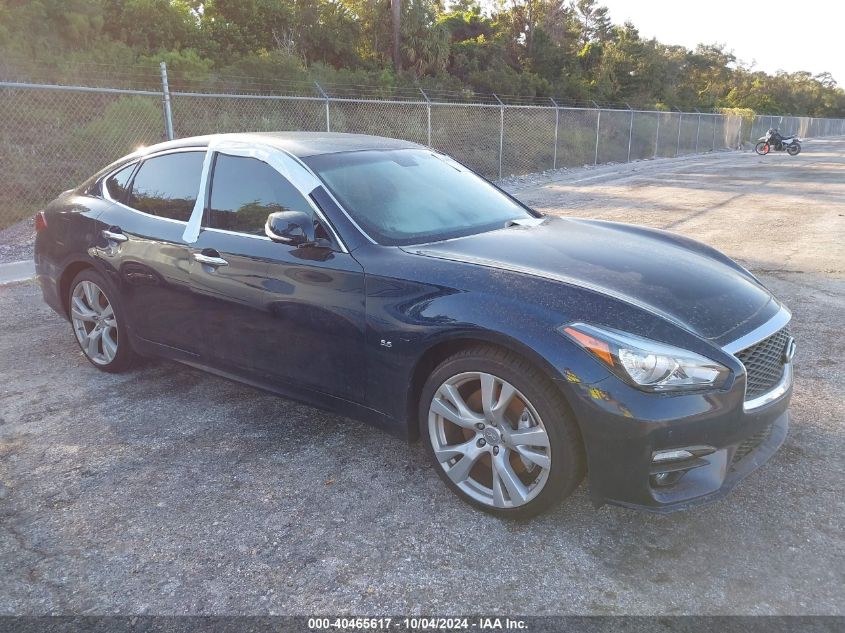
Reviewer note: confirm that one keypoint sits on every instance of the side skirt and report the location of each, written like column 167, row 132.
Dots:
column 304, row 395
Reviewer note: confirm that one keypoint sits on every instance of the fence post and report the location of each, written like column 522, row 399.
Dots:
column 697, row 132
column 326, row 97
column 557, row 123
column 428, row 107
column 714, row 132
column 657, row 136
column 165, row 101
column 739, row 145
column 598, row 127
column 501, row 132
column 680, row 123
column 630, row 132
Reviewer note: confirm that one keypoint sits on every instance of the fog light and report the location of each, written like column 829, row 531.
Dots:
column 661, row 480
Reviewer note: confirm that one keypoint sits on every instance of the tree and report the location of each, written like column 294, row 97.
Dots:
column 562, row 48
column 396, row 20
column 595, row 23
column 424, row 40
column 151, row 25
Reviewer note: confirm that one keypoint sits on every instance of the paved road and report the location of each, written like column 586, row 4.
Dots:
column 169, row 491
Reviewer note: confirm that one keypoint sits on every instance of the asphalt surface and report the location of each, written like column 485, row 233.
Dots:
column 168, row 491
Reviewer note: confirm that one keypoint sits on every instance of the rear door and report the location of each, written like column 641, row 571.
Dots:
column 141, row 238
column 278, row 313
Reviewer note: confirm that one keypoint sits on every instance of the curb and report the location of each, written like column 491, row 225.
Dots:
column 17, row 271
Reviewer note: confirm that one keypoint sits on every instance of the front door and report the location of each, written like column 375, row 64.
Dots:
column 281, row 314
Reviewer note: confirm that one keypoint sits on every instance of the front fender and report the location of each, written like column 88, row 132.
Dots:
column 412, row 324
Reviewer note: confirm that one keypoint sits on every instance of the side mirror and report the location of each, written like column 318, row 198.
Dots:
column 290, row 227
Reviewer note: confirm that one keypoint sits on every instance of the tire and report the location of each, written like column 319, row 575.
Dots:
column 98, row 322
column 548, row 469
column 793, row 149
column 762, row 148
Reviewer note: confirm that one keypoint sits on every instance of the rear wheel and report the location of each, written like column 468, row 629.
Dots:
column 762, row 148
column 793, row 149
column 98, row 322
column 499, row 434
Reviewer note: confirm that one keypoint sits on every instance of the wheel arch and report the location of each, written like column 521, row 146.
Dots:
column 69, row 272
column 441, row 349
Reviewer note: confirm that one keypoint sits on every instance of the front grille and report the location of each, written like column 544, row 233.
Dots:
column 764, row 363
column 749, row 444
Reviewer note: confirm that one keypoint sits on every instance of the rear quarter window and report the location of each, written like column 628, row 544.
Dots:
column 116, row 186
column 167, row 186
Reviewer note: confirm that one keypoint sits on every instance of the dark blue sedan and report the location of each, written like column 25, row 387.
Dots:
column 385, row 281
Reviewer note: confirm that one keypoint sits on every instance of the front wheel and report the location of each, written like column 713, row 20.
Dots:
column 498, row 433
column 762, row 148
column 794, row 149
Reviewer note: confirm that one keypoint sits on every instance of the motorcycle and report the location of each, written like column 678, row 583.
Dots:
column 775, row 141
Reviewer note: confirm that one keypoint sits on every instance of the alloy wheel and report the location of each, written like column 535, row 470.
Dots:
column 489, row 440
column 94, row 322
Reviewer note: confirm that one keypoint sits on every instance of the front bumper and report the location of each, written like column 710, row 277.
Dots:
column 623, row 428
column 725, row 470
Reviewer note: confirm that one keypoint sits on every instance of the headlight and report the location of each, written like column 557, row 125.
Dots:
column 646, row 364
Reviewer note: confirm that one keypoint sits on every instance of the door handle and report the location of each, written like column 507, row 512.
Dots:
column 210, row 257
column 114, row 234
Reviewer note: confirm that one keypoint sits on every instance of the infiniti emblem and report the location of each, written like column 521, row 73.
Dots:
column 491, row 435
column 789, row 350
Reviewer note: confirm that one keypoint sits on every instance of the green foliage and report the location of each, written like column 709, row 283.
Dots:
column 150, row 25
column 566, row 48
column 124, row 125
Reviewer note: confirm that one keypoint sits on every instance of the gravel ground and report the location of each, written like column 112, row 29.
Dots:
column 168, row 491
column 17, row 242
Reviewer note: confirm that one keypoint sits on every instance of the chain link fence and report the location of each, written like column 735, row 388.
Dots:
column 53, row 137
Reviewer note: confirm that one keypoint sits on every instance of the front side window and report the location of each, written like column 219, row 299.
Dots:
column 244, row 191
column 167, row 185
column 411, row 196
column 118, row 183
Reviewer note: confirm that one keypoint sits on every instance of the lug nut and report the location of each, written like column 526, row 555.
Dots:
column 495, row 450
column 479, row 426
column 481, row 442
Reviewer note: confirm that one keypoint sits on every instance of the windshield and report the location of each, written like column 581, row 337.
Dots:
column 411, row 196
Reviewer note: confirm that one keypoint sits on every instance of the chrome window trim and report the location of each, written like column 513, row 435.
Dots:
column 775, row 324
column 238, row 233
column 149, row 215
column 767, row 398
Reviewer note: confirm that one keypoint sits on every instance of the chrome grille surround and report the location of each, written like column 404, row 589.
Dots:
column 765, row 363
column 763, row 354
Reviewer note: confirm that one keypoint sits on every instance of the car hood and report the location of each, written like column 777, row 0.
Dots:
column 685, row 282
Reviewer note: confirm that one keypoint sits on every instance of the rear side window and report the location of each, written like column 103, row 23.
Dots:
column 117, row 184
column 167, row 186
column 244, row 191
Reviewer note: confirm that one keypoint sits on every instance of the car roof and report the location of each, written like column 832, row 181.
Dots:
column 300, row 144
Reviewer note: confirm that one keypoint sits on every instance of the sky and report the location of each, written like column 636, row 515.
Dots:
column 775, row 34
